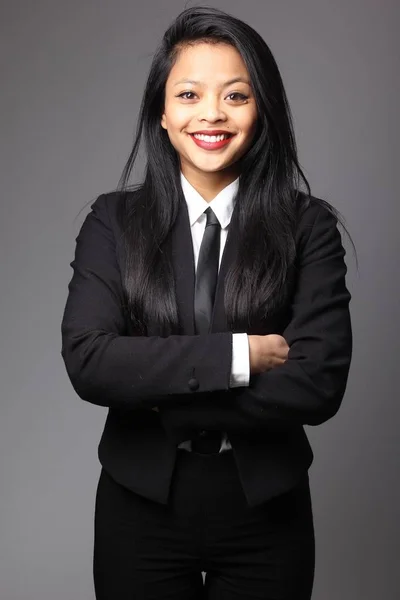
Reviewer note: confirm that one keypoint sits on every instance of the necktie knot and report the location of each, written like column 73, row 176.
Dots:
column 211, row 217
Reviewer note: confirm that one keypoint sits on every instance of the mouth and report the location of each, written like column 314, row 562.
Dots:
column 212, row 142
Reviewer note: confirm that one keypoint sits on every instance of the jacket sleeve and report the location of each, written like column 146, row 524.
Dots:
column 309, row 387
column 109, row 368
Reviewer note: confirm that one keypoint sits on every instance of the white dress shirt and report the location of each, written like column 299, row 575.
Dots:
column 222, row 205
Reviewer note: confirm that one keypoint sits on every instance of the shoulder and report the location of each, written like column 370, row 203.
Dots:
column 318, row 236
column 113, row 206
column 313, row 214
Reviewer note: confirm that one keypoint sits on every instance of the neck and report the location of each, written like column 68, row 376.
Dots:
column 208, row 185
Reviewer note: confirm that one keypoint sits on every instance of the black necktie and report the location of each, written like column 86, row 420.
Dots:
column 207, row 273
column 208, row 442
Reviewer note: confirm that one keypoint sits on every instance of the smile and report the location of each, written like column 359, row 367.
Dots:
column 211, row 142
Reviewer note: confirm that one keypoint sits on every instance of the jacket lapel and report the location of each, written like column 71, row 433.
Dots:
column 183, row 267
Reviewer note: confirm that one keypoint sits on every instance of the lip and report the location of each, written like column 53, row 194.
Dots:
column 213, row 132
column 212, row 145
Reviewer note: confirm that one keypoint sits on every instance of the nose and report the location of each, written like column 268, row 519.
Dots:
column 211, row 111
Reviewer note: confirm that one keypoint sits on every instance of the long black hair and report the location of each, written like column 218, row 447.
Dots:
column 268, row 200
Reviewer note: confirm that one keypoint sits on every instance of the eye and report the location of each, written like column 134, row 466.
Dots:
column 239, row 95
column 183, row 94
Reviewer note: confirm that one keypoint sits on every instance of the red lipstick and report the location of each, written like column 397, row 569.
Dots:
column 212, row 145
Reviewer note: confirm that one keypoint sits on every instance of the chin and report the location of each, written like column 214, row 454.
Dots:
column 209, row 168
column 216, row 170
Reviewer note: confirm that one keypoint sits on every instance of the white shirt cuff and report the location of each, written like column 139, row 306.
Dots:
column 240, row 370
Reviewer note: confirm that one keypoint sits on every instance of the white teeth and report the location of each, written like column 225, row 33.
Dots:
column 210, row 138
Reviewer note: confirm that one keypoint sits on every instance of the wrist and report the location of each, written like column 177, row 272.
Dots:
column 254, row 353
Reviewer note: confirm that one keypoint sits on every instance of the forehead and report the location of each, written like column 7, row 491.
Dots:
column 206, row 63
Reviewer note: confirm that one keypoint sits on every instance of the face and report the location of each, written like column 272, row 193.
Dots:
column 202, row 98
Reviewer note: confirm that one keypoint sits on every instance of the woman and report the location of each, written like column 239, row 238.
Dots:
column 212, row 336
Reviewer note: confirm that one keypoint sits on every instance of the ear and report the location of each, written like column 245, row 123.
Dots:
column 164, row 121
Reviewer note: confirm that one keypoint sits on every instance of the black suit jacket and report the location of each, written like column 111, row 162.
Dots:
column 187, row 376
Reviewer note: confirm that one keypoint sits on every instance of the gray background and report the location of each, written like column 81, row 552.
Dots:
column 72, row 76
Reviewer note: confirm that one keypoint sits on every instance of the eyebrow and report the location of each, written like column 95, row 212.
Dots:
column 230, row 82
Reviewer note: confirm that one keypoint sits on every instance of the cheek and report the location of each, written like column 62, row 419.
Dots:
column 177, row 117
column 250, row 132
column 250, row 124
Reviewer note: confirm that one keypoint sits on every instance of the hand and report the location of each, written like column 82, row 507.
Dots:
column 267, row 352
column 155, row 408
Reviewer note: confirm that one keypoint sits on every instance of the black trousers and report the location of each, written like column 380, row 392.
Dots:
column 145, row 550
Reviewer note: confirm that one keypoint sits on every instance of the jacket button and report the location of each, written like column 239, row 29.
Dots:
column 193, row 384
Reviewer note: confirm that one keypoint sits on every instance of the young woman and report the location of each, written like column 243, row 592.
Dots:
column 212, row 336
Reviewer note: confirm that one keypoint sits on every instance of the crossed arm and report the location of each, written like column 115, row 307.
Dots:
column 109, row 368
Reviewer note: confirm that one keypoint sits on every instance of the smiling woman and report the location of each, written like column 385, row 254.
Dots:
column 210, row 114
column 208, row 310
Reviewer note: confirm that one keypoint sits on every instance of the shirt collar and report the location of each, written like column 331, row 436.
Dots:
column 222, row 204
